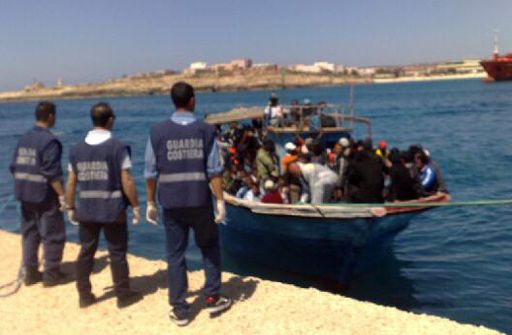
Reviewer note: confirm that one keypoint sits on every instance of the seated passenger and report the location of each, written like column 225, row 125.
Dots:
column 365, row 176
column 290, row 157
column 320, row 180
column 404, row 185
column 440, row 180
column 267, row 161
column 272, row 195
column 428, row 176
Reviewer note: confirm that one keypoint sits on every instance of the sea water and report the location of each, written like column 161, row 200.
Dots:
column 452, row 262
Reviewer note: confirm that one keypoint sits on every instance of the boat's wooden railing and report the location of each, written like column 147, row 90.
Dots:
column 339, row 210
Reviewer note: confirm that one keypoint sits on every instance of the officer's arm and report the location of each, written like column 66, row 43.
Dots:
column 129, row 188
column 51, row 166
column 70, row 190
column 216, row 184
column 57, row 187
column 150, row 189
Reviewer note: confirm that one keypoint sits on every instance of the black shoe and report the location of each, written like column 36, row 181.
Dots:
column 180, row 321
column 86, row 300
column 54, row 279
column 217, row 304
column 32, row 276
column 128, row 299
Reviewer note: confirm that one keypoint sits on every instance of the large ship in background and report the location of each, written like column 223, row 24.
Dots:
column 498, row 68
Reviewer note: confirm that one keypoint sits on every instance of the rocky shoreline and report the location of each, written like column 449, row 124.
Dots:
column 159, row 84
column 261, row 306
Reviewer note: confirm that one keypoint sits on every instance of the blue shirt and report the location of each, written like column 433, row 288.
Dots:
column 428, row 178
column 214, row 164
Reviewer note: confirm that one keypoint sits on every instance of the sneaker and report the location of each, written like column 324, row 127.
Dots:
column 128, row 299
column 86, row 300
column 32, row 277
column 218, row 304
column 178, row 321
column 54, row 279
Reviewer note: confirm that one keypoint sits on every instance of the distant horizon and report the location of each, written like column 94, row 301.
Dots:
column 98, row 41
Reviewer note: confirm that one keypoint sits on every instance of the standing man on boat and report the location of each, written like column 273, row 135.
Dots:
column 183, row 157
column 101, row 165
column 37, row 171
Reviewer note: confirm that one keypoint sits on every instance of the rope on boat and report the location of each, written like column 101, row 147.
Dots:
column 8, row 200
column 16, row 283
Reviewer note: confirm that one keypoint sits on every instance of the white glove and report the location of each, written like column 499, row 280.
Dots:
column 72, row 217
column 62, row 203
column 152, row 213
column 220, row 215
column 304, row 198
column 136, row 215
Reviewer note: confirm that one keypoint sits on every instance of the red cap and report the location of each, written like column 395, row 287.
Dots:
column 383, row 144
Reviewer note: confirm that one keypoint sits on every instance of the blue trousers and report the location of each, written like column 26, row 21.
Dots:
column 116, row 235
column 177, row 223
column 43, row 222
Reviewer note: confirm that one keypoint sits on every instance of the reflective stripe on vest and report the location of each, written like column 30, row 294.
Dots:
column 100, row 194
column 36, row 178
column 179, row 177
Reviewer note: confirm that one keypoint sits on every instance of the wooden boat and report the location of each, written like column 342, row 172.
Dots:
column 328, row 240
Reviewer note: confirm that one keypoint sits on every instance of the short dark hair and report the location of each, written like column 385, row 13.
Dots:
column 181, row 93
column 422, row 157
column 269, row 145
column 101, row 113
column 43, row 111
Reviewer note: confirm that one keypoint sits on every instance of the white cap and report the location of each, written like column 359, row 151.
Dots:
column 344, row 142
column 268, row 185
column 290, row 146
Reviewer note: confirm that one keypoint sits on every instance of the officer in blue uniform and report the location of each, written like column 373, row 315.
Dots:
column 182, row 157
column 37, row 171
column 100, row 166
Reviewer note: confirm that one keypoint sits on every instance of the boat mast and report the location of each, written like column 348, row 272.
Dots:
column 351, row 104
column 496, row 44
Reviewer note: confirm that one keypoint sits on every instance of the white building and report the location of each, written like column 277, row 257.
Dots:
column 317, row 67
column 195, row 67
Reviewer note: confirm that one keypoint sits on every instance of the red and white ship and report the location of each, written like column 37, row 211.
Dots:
column 498, row 68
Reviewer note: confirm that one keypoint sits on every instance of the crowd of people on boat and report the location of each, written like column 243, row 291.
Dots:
column 310, row 171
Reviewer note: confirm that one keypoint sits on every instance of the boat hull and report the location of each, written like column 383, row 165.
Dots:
column 498, row 70
column 330, row 248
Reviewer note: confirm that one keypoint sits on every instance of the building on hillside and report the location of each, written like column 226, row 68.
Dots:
column 367, row 71
column 35, row 86
column 244, row 63
column 466, row 66
column 317, row 67
column 196, row 67
column 264, row 67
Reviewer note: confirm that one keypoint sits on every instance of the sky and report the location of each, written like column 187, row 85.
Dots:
column 86, row 41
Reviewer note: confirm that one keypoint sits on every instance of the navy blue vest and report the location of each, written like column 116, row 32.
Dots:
column 31, row 184
column 181, row 153
column 98, row 171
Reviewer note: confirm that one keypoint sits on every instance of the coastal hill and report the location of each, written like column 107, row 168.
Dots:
column 159, row 83
column 232, row 77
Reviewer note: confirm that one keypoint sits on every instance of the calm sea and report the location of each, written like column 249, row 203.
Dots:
column 451, row 262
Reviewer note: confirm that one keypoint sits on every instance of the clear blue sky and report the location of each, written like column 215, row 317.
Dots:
column 82, row 41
